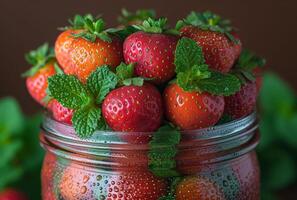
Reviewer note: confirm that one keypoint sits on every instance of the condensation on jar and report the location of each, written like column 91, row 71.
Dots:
column 214, row 163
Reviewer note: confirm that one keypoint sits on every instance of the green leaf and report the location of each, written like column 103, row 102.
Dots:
column 11, row 117
column 187, row 54
column 101, row 82
column 248, row 60
column 220, row 84
column 85, row 121
column 124, row 71
column 163, row 150
column 68, row 90
column 122, row 33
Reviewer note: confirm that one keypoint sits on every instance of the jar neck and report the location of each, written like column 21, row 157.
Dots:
column 210, row 145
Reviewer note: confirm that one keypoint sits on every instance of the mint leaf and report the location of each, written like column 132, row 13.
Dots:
column 163, row 150
column 220, row 84
column 100, row 82
column 187, row 54
column 124, row 71
column 85, row 121
column 68, row 90
column 248, row 60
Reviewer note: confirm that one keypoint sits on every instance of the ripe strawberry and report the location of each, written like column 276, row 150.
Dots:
column 152, row 50
column 194, row 188
column 243, row 102
column 136, row 185
column 133, row 108
column 221, row 47
column 192, row 110
column 12, row 194
column 47, row 174
column 42, row 61
column 85, row 46
column 128, row 18
column 61, row 113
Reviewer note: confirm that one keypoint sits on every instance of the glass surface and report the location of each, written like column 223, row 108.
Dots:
column 213, row 163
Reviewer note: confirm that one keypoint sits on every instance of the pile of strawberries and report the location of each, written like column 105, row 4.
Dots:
column 142, row 74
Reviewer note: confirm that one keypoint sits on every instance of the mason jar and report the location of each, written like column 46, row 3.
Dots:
column 212, row 163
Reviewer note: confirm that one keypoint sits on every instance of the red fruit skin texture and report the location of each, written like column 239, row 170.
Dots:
column 133, row 108
column 136, row 185
column 12, row 194
column 80, row 57
column 47, row 174
column 37, row 84
column 192, row 110
column 153, row 55
column 219, row 52
column 243, row 102
column 60, row 113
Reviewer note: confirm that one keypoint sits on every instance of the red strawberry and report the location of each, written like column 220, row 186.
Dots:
column 220, row 47
column 42, row 61
column 152, row 51
column 137, row 186
column 243, row 102
column 192, row 110
column 11, row 194
column 60, row 113
column 85, row 46
column 133, row 108
column 194, row 188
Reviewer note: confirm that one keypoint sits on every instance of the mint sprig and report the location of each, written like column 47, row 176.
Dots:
column 86, row 99
column 39, row 58
column 163, row 149
column 194, row 75
column 247, row 62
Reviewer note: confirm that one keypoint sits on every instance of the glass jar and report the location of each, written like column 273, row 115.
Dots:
column 212, row 163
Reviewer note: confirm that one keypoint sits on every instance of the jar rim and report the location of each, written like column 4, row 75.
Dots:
column 66, row 132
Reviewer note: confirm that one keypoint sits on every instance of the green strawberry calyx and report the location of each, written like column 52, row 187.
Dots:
column 91, row 28
column 156, row 26
column 247, row 62
column 38, row 59
column 193, row 74
column 208, row 21
column 86, row 98
column 139, row 16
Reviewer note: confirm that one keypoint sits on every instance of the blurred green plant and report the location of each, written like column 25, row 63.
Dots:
column 21, row 155
column 277, row 150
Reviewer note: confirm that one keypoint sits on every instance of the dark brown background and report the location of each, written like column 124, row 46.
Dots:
column 266, row 26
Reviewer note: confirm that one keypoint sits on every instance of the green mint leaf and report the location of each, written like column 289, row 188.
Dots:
column 163, row 150
column 124, row 71
column 220, row 84
column 187, row 54
column 68, row 90
column 101, row 82
column 85, row 121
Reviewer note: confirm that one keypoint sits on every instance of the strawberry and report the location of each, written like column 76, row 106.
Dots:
column 136, row 185
column 128, row 18
column 221, row 47
column 48, row 176
column 12, row 194
column 196, row 187
column 133, row 108
column 61, row 113
column 196, row 99
column 192, row 110
column 243, row 102
column 152, row 49
column 86, row 45
column 42, row 61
